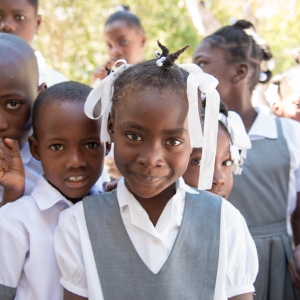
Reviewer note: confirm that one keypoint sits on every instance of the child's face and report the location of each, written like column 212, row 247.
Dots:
column 289, row 106
column 124, row 42
column 20, row 18
column 152, row 145
column 18, row 91
column 69, row 149
column 223, row 178
column 213, row 61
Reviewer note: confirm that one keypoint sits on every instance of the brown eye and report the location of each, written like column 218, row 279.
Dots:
column 57, row 147
column 227, row 163
column 91, row 145
column 134, row 137
column 173, row 142
column 13, row 105
column 196, row 161
column 20, row 17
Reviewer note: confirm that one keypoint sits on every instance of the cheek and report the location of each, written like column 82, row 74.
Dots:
column 229, row 182
column 191, row 175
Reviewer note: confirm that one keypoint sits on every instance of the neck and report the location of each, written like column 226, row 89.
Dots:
column 241, row 104
column 154, row 206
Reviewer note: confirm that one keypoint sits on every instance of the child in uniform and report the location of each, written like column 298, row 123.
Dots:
column 283, row 94
column 18, row 90
column 232, row 145
column 142, row 241
column 68, row 145
column 20, row 17
column 268, row 189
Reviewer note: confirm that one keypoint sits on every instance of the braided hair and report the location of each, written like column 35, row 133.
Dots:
column 148, row 75
column 238, row 46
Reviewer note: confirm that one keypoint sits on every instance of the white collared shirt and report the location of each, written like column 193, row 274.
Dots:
column 264, row 127
column 238, row 263
column 46, row 74
column 27, row 257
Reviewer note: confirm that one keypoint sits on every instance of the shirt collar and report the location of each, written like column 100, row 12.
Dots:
column 25, row 154
column 46, row 196
column 264, row 125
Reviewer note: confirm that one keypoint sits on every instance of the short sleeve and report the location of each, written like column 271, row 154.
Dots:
column 242, row 263
column 69, row 254
column 14, row 246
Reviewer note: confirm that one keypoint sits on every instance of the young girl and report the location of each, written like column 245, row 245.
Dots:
column 154, row 237
column 125, row 39
column 268, row 190
column 232, row 145
column 283, row 94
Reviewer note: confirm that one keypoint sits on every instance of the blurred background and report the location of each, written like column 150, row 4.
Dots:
column 71, row 36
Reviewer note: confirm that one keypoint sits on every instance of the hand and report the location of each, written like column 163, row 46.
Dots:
column 101, row 72
column 12, row 174
column 294, row 268
column 110, row 186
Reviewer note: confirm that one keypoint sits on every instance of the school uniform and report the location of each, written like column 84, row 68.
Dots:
column 46, row 74
column 28, row 265
column 107, row 248
column 266, row 194
column 33, row 170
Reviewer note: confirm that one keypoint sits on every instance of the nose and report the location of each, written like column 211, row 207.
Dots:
column 3, row 124
column 7, row 25
column 75, row 159
column 152, row 157
column 218, row 179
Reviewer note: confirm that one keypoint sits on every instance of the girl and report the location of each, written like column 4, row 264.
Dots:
column 232, row 145
column 283, row 94
column 154, row 237
column 125, row 39
column 268, row 190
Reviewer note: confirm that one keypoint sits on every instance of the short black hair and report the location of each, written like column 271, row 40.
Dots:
column 69, row 91
column 129, row 18
column 14, row 48
column 34, row 3
column 238, row 46
column 148, row 75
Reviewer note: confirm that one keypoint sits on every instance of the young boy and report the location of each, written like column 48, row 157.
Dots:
column 20, row 17
column 68, row 145
column 18, row 90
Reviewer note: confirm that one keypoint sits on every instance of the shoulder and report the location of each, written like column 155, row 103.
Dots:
column 71, row 214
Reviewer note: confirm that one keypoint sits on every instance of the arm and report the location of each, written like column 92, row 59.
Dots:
column 248, row 296
column 295, row 221
column 70, row 296
column 12, row 174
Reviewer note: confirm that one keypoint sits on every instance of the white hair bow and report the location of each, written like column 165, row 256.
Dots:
column 239, row 137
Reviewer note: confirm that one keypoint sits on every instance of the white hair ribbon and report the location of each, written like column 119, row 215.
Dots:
column 207, row 84
column 104, row 92
column 240, row 139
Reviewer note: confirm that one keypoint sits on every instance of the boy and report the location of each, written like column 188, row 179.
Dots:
column 20, row 17
column 68, row 145
column 18, row 90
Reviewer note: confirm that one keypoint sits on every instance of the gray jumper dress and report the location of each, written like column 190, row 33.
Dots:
column 191, row 269
column 261, row 194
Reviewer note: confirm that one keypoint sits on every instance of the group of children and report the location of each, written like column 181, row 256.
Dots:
column 155, row 235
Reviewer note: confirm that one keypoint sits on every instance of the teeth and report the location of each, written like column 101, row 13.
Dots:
column 79, row 178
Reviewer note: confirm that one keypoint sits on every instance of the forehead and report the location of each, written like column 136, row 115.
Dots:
column 204, row 49
column 16, row 5
column 154, row 108
column 119, row 27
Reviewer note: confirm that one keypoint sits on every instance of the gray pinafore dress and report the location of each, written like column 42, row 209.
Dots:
column 191, row 269
column 261, row 194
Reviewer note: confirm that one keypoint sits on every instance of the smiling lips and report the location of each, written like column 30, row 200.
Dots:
column 76, row 182
column 147, row 179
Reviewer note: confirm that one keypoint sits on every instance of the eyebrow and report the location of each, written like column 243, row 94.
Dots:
column 201, row 56
column 134, row 125
column 11, row 95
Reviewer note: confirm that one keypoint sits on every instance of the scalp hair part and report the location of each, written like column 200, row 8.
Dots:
column 147, row 75
column 129, row 18
column 65, row 92
column 238, row 46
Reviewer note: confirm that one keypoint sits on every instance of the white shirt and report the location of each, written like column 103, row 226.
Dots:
column 264, row 127
column 27, row 257
column 33, row 170
column 238, row 263
column 46, row 74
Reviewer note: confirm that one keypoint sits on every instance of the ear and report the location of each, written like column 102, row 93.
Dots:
column 241, row 72
column 111, row 128
column 107, row 147
column 42, row 87
column 38, row 23
column 34, row 148
column 277, row 109
column 143, row 41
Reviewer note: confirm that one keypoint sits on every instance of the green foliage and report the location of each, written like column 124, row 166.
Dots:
column 71, row 36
